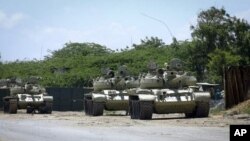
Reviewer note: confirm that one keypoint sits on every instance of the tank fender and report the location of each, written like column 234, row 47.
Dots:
column 48, row 98
column 146, row 97
column 202, row 96
column 98, row 97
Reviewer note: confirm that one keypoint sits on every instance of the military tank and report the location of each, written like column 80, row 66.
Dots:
column 168, row 90
column 30, row 96
column 110, row 92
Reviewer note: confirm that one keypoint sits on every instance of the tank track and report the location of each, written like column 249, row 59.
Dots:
column 10, row 106
column 93, row 108
column 141, row 109
column 201, row 110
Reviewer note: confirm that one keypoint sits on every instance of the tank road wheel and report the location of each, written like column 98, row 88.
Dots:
column 93, row 108
column 13, row 106
column 48, row 107
column 88, row 106
column 190, row 115
column 141, row 109
column 202, row 109
column 98, row 108
column 6, row 106
column 134, row 109
column 29, row 110
column 146, row 110
column 45, row 108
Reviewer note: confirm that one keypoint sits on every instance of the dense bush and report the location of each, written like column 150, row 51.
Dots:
column 218, row 40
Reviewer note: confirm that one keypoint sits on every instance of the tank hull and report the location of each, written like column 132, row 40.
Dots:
column 174, row 107
column 34, row 101
column 166, row 101
column 24, row 105
column 116, row 105
column 110, row 100
column 29, row 102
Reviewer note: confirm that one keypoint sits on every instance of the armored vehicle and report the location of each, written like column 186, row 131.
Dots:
column 167, row 90
column 109, row 92
column 30, row 96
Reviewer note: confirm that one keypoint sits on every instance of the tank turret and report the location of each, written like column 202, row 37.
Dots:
column 109, row 91
column 175, row 76
column 104, row 82
column 4, row 83
column 166, row 90
column 118, row 80
column 153, row 79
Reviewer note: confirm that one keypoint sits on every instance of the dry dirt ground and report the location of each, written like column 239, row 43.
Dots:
column 119, row 119
column 113, row 126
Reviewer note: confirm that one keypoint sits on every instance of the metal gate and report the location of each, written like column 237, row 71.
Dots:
column 67, row 99
column 3, row 93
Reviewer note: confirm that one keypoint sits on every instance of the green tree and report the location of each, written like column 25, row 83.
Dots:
column 216, row 29
column 152, row 42
column 219, row 59
column 80, row 49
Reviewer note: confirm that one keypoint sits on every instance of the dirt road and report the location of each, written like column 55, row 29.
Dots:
column 76, row 126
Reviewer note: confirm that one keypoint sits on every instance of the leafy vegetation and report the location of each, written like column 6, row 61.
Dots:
column 218, row 40
column 218, row 31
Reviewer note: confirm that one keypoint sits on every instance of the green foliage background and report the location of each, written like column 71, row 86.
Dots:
column 218, row 40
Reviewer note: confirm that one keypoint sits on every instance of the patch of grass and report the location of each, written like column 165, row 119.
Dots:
column 242, row 108
column 216, row 111
column 246, row 110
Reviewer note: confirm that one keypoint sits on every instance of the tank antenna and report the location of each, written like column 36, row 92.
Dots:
column 160, row 21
